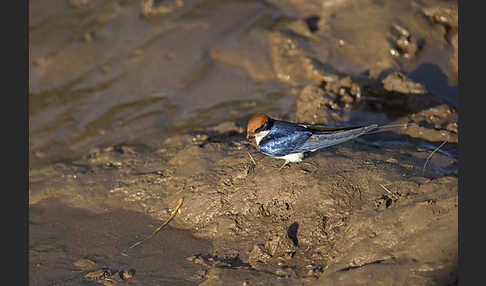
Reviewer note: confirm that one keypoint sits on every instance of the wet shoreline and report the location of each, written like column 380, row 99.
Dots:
column 136, row 104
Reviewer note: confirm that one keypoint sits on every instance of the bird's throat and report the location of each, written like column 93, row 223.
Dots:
column 259, row 136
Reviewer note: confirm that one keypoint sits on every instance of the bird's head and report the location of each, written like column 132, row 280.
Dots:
column 257, row 124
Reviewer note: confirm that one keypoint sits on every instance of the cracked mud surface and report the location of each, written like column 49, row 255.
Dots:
column 136, row 104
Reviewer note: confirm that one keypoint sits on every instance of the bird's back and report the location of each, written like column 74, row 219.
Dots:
column 287, row 137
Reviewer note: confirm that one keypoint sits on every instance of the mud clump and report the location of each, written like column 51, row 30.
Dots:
column 329, row 102
column 107, row 276
column 405, row 44
column 447, row 16
column 314, row 105
column 425, row 108
column 152, row 8
column 398, row 82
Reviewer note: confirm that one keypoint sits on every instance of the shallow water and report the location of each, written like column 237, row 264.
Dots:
column 66, row 243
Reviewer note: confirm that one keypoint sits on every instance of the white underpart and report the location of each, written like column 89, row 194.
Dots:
column 295, row 157
column 259, row 136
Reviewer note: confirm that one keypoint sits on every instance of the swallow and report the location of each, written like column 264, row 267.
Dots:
column 289, row 141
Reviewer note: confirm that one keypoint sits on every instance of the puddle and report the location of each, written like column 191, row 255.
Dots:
column 66, row 243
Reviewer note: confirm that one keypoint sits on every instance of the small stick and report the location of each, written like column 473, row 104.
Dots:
column 386, row 189
column 251, row 157
column 432, row 153
column 172, row 215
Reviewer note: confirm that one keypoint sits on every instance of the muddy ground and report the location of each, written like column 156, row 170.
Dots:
column 135, row 105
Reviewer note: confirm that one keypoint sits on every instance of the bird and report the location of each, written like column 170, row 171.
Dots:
column 289, row 141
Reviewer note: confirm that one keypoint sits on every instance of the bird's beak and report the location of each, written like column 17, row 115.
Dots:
column 249, row 135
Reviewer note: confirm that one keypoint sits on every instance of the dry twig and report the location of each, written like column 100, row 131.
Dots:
column 431, row 154
column 388, row 191
column 251, row 157
column 172, row 215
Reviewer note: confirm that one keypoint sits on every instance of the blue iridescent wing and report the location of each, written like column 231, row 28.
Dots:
column 322, row 139
column 283, row 143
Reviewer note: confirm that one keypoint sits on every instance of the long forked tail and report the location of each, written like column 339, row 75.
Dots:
column 389, row 127
column 328, row 136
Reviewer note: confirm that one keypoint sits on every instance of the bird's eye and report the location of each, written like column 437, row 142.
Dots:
column 262, row 128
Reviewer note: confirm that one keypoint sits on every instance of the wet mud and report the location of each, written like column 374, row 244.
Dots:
column 136, row 104
column 74, row 246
